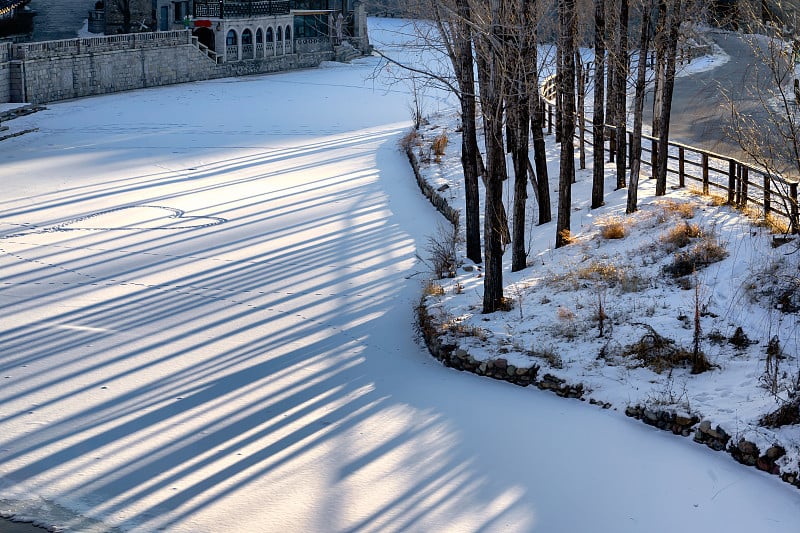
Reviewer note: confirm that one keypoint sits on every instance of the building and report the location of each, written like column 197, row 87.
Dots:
column 241, row 30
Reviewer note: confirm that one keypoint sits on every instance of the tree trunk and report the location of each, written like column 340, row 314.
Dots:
column 660, row 46
column 566, row 10
column 611, row 85
column 542, row 185
column 469, row 136
column 581, row 88
column 636, row 139
column 598, row 119
column 621, row 79
column 666, row 108
column 490, row 78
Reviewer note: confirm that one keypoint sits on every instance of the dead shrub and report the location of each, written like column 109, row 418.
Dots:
column 787, row 414
column 442, row 249
column 660, row 353
column 612, row 228
column 680, row 235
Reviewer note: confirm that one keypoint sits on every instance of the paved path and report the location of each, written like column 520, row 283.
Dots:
column 700, row 111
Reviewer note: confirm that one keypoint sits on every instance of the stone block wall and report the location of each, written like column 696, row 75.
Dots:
column 5, row 72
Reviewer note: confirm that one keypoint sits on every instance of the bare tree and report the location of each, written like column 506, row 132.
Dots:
column 566, row 88
column 598, row 118
column 636, row 136
column 674, row 18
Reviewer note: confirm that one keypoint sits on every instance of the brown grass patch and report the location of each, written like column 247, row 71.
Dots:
column 458, row 328
column 612, row 227
column 409, row 140
column 680, row 235
column 432, row 288
column 680, row 209
column 439, row 144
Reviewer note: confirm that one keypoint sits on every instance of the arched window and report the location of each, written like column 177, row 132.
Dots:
column 247, row 37
column 288, row 33
column 270, row 35
column 259, row 36
column 280, row 34
column 230, row 40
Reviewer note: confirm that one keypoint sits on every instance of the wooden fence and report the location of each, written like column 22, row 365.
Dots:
column 741, row 184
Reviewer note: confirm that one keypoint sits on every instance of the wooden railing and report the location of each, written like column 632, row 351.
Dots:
column 739, row 183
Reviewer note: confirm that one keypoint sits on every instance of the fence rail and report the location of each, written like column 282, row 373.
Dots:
column 739, row 183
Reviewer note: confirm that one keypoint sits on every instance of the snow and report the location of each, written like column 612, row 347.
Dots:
column 206, row 300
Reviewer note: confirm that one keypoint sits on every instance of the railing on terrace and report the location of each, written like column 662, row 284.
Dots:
column 227, row 9
column 312, row 44
column 67, row 47
column 739, row 183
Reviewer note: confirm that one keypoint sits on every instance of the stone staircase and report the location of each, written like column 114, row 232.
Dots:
column 345, row 52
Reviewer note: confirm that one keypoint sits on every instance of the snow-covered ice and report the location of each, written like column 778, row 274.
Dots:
column 206, row 300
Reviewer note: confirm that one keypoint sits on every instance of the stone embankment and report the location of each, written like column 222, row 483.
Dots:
column 684, row 424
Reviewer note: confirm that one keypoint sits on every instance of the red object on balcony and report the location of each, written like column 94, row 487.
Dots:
column 202, row 23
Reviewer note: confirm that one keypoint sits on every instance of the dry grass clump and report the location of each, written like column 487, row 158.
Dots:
column 432, row 288
column 439, row 145
column 611, row 275
column 612, row 227
column 774, row 223
column 680, row 235
column 458, row 328
column 568, row 237
column 674, row 208
column 703, row 253
column 409, row 140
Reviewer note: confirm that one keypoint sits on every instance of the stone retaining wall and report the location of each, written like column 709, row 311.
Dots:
column 58, row 70
column 441, row 205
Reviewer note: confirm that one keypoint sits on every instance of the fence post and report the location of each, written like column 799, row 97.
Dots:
column 705, row 173
column 795, row 224
column 731, row 182
column 653, row 158
column 744, row 180
column 767, row 193
column 630, row 149
column 681, row 167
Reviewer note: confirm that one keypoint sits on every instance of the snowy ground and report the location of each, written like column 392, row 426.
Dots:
column 206, row 301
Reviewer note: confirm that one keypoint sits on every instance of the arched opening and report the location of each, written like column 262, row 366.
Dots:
column 279, row 38
column 206, row 37
column 247, row 44
column 288, row 40
column 270, row 35
column 259, row 43
column 231, row 46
